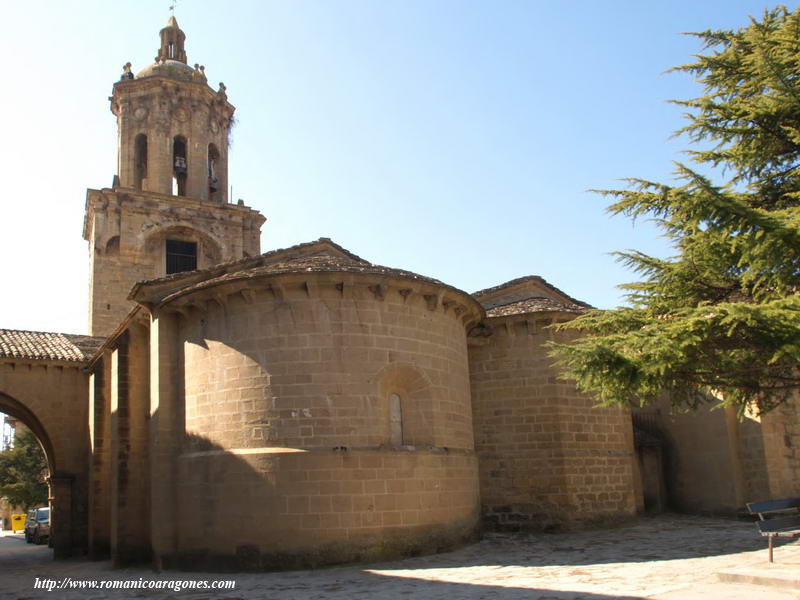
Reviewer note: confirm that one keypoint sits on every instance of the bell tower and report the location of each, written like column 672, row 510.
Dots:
column 173, row 128
column 168, row 209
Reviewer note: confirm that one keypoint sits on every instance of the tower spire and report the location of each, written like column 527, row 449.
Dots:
column 172, row 39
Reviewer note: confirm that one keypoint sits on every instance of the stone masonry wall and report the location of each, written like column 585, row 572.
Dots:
column 100, row 459
column 548, row 458
column 314, row 370
column 781, row 434
column 752, row 453
column 277, row 508
column 130, row 484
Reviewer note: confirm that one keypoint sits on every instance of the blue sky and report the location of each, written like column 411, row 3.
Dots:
column 456, row 139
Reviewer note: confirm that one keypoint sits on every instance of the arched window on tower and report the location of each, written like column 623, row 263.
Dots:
column 139, row 161
column 213, row 179
column 179, row 167
column 171, row 51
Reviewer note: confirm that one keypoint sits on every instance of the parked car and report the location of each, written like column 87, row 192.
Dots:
column 37, row 527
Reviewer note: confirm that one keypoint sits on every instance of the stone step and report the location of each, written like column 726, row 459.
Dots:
column 774, row 575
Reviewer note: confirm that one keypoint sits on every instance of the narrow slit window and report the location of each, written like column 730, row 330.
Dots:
column 395, row 420
column 181, row 256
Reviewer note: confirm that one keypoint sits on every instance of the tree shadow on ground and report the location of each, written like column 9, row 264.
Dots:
column 661, row 538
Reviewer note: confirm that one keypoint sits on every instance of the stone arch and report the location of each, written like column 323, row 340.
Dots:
column 18, row 410
column 50, row 398
column 415, row 392
column 60, row 485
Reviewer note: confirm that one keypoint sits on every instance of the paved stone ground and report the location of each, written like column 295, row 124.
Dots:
column 662, row 558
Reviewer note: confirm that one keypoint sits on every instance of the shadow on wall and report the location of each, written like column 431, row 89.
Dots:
column 702, row 462
column 235, row 515
column 714, row 463
column 283, row 508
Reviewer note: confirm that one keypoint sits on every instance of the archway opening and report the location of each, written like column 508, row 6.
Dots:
column 27, row 462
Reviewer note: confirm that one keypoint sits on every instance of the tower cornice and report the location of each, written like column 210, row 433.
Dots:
column 160, row 84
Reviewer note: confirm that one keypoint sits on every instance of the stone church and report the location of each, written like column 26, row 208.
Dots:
column 238, row 410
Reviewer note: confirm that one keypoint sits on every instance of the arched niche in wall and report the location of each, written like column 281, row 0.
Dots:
column 406, row 393
column 112, row 246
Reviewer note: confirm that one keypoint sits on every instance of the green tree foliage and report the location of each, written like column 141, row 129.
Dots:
column 721, row 318
column 22, row 472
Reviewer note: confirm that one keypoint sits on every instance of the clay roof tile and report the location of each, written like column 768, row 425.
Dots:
column 41, row 345
column 534, row 305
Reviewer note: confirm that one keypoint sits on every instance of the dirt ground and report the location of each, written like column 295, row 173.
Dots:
column 662, row 558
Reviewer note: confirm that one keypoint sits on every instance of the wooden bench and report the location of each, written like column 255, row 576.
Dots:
column 777, row 518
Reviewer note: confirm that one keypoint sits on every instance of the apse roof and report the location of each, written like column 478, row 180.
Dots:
column 530, row 294
column 306, row 264
column 254, row 261
column 322, row 255
column 533, row 305
column 528, row 278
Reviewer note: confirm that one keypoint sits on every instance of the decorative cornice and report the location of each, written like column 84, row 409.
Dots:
column 289, row 287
